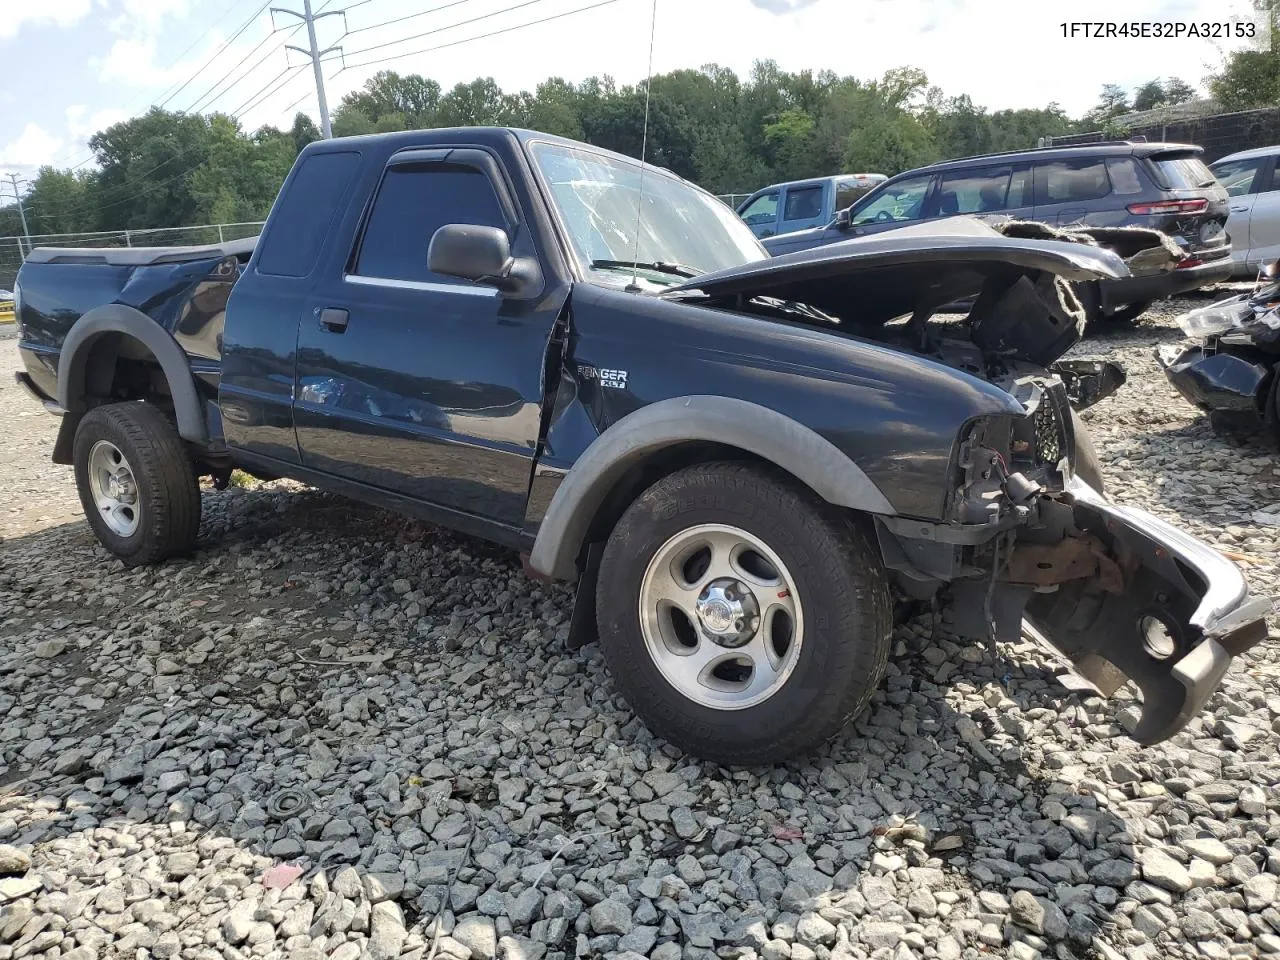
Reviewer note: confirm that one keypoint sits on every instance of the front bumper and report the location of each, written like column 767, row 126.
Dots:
column 26, row 383
column 1160, row 286
column 1214, row 381
column 1194, row 598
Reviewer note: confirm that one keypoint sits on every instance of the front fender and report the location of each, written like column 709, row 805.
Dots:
column 118, row 318
column 723, row 420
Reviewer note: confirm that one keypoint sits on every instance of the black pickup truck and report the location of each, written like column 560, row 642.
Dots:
column 742, row 461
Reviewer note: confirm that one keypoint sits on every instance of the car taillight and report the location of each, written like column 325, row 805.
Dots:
column 1189, row 262
column 1168, row 206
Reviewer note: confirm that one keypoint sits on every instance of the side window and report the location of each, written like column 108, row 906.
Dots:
column 763, row 209
column 974, row 191
column 301, row 219
column 803, row 203
column 1071, row 181
column 1020, row 189
column 895, row 202
column 1125, row 179
column 413, row 202
column 1239, row 176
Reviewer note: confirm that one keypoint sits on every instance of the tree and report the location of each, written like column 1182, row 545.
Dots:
column 1149, row 96
column 1178, row 91
column 1251, row 78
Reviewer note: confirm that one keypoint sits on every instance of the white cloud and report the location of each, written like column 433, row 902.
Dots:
column 32, row 148
column 60, row 13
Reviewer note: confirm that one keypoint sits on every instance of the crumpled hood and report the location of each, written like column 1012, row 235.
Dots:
column 883, row 272
column 1021, row 309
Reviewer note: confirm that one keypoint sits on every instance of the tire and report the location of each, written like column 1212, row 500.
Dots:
column 822, row 584
column 152, row 511
column 1088, row 467
column 1129, row 313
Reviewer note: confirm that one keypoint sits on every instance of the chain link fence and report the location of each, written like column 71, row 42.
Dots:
column 14, row 249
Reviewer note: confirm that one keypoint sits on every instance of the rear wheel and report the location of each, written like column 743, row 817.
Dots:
column 742, row 618
column 136, row 483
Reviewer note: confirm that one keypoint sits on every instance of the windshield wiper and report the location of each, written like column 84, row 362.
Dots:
column 675, row 269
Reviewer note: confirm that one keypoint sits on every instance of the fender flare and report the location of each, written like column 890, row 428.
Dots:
column 118, row 318
column 748, row 426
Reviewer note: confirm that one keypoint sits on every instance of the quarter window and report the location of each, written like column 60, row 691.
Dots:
column 301, row 220
column 414, row 201
column 1071, row 181
column 974, row 191
column 1124, row 176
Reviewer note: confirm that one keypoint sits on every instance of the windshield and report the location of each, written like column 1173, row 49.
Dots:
column 596, row 197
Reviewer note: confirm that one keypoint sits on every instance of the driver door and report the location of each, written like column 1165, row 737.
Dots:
column 760, row 213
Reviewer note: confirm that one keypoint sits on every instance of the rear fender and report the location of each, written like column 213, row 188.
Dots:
column 74, row 372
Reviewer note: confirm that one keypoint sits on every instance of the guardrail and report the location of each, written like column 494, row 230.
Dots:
column 6, row 311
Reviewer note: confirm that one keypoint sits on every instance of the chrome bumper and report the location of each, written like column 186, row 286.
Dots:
column 1226, row 620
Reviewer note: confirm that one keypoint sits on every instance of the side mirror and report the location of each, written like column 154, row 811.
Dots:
column 483, row 255
column 844, row 219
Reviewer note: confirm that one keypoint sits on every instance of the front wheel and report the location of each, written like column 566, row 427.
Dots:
column 136, row 484
column 742, row 618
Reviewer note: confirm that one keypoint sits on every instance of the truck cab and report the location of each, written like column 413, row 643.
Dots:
column 803, row 204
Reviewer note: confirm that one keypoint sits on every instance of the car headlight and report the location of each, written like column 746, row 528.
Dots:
column 1218, row 318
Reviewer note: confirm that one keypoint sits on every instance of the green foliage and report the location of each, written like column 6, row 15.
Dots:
column 1249, row 79
column 1162, row 93
column 730, row 134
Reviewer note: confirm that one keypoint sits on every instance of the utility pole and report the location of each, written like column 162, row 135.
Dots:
column 13, row 180
column 314, row 54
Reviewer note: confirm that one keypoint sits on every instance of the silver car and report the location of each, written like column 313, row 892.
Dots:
column 1252, row 179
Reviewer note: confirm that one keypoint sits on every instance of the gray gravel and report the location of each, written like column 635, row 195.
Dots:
column 382, row 705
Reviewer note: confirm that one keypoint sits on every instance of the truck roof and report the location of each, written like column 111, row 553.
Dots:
column 468, row 136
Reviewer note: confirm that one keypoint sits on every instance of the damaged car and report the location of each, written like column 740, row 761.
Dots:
column 741, row 463
column 1229, row 369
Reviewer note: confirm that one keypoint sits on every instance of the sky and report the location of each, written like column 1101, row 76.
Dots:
column 72, row 67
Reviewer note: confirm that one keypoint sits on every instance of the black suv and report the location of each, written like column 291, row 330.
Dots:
column 1164, row 186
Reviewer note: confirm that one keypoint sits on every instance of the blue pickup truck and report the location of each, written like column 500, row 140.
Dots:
column 741, row 462
column 783, row 208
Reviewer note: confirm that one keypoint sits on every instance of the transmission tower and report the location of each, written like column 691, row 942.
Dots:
column 314, row 54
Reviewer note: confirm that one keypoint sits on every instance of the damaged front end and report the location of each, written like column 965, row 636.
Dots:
column 1121, row 594
column 1022, row 537
column 1230, row 365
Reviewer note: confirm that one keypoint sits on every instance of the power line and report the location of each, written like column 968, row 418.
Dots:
column 288, row 73
column 483, row 36
column 223, row 46
column 408, row 16
column 460, row 23
column 196, row 103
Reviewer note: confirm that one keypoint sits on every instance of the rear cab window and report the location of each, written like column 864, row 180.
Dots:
column 300, row 222
column 1071, row 181
column 413, row 201
column 849, row 191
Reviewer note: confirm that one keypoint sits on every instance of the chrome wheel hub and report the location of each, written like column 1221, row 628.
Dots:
column 728, row 612
column 113, row 488
column 720, row 617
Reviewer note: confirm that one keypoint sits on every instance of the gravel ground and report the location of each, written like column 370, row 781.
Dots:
column 388, row 708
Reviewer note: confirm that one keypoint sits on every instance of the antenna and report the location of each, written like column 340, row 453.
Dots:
column 644, row 149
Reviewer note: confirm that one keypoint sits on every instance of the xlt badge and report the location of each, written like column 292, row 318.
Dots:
column 616, row 379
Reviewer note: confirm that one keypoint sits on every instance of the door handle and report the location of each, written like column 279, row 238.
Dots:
column 333, row 319
column 1239, row 209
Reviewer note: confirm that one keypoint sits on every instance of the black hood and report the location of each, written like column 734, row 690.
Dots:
column 887, row 275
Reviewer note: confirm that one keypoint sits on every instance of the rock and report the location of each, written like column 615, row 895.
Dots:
column 182, row 864
column 381, row 886
column 48, row 649
column 13, row 861
column 1162, row 870
column 878, row 934
column 813, row 929
column 387, row 933
column 1207, row 848
column 610, row 916
column 1253, row 800
column 478, row 935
